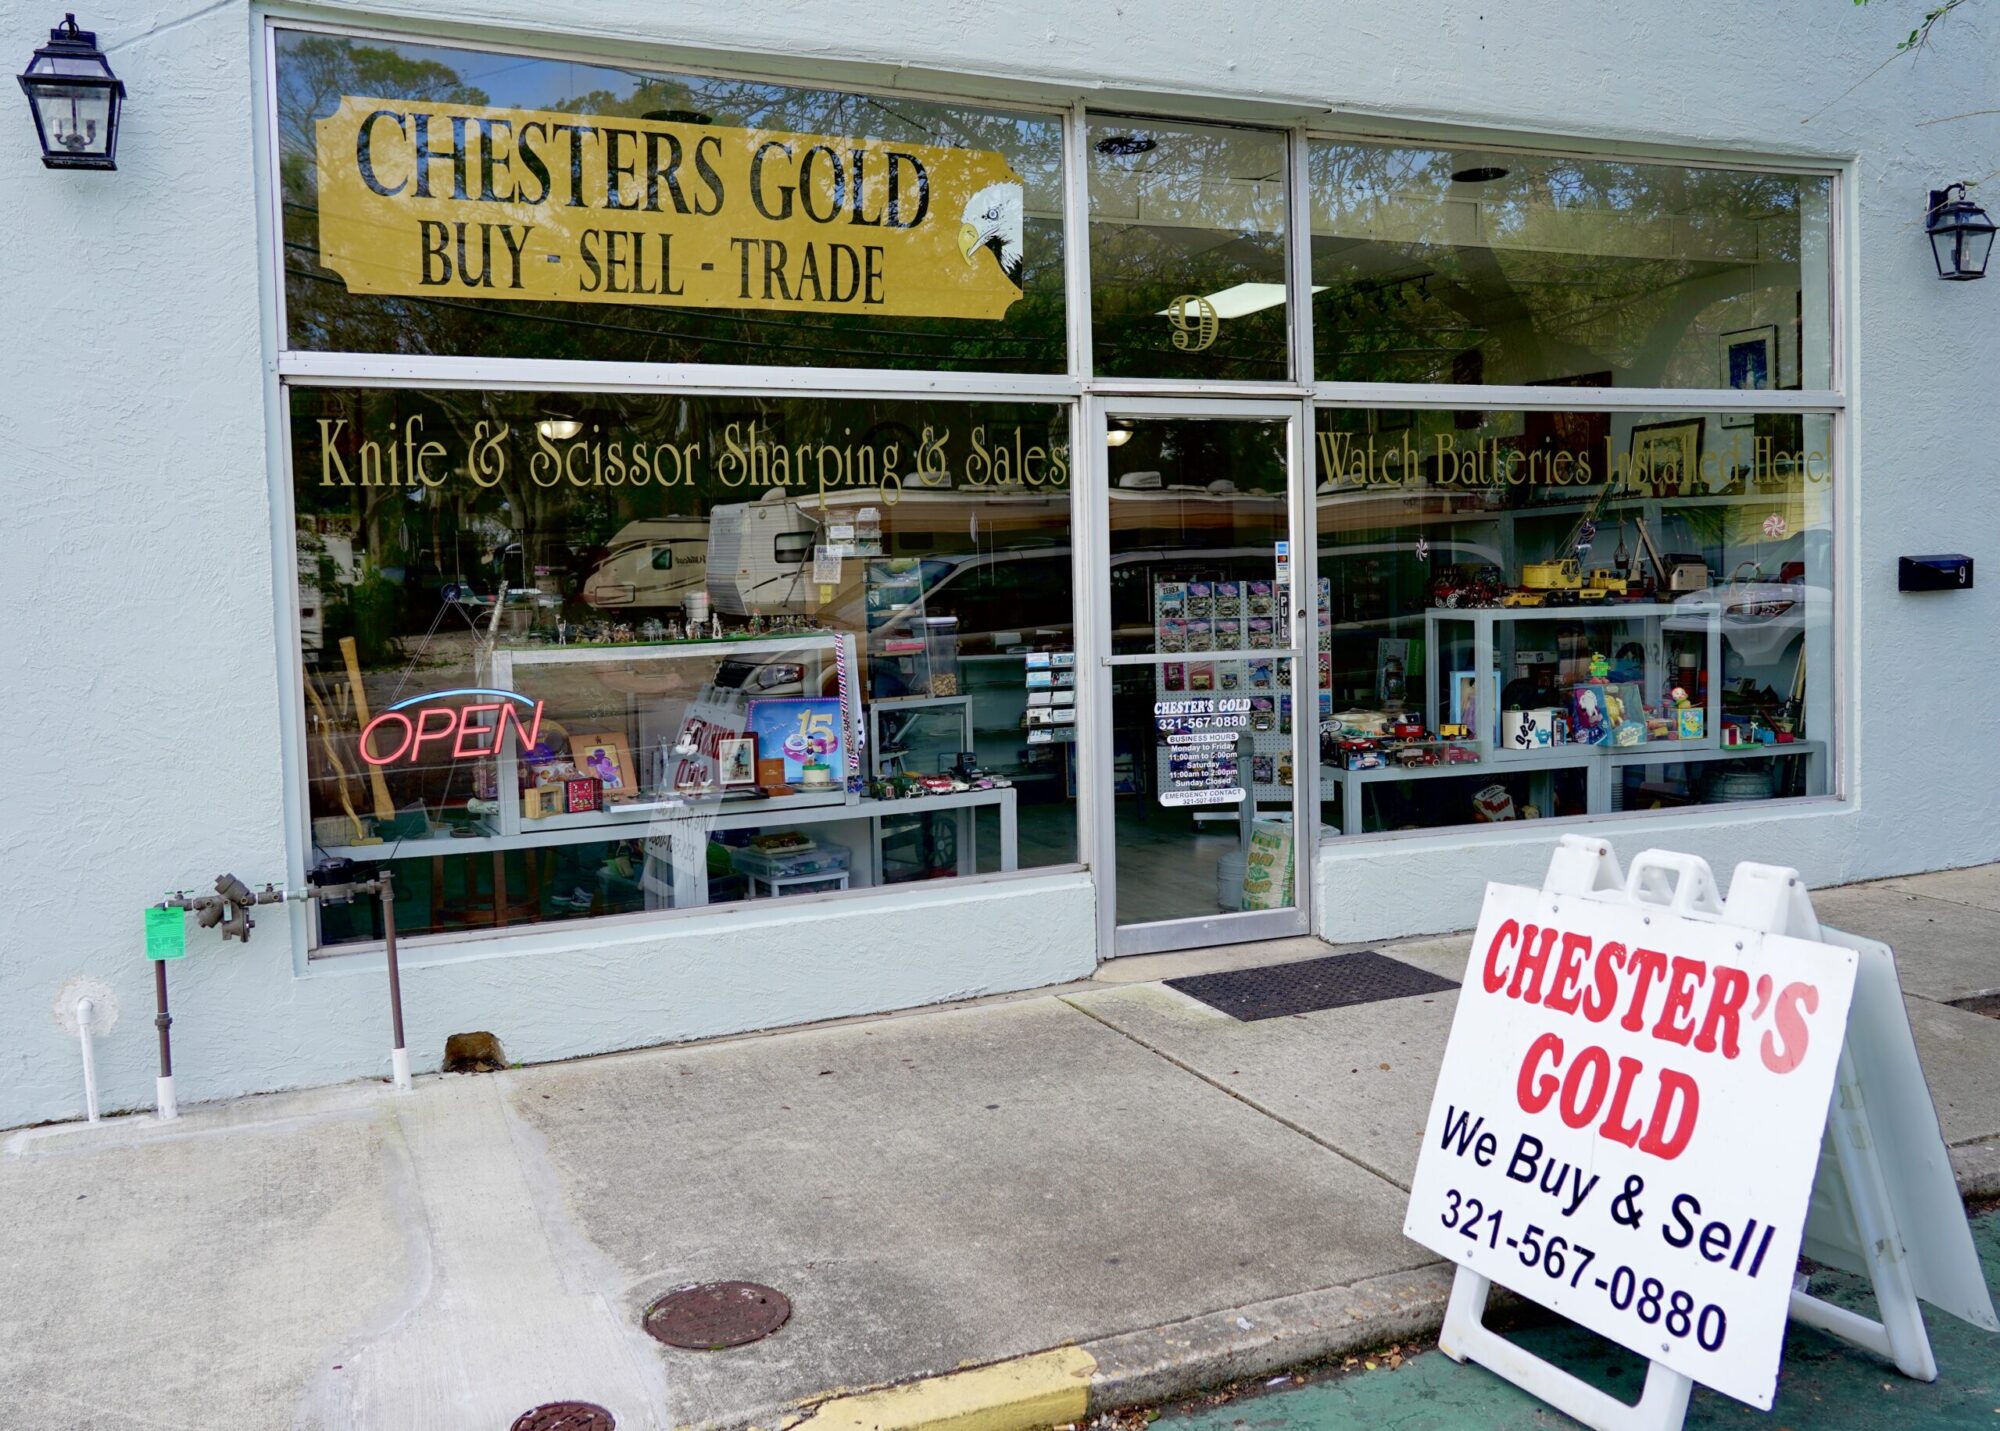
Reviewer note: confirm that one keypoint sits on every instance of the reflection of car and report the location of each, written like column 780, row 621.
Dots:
column 1760, row 619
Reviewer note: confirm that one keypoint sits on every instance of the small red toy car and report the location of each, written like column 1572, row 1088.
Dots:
column 1406, row 730
column 1460, row 755
column 1359, row 755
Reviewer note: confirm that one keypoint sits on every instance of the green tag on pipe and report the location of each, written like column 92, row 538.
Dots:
column 166, row 934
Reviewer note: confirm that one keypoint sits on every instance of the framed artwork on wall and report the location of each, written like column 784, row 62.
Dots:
column 1667, row 455
column 1749, row 364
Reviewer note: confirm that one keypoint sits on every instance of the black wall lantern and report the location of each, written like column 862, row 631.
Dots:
column 75, row 98
column 1961, row 234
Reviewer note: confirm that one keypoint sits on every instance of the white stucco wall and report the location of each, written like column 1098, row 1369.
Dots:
column 141, row 632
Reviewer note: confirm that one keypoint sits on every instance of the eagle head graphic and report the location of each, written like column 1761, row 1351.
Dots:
column 992, row 220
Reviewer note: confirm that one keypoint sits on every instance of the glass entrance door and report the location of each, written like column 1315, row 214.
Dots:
column 1206, row 700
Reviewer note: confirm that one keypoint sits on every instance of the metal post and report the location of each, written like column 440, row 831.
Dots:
column 399, row 1056
column 164, row 1085
column 86, row 1013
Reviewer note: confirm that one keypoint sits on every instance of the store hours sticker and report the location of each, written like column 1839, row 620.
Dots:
column 1201, row 735
column 1627, row 1124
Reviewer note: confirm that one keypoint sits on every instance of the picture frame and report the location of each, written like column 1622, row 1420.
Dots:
column 1748, row 363
column 607, row 756
column 1667, row 455
column 736, row 761
column 801, row 731
column 583, row 794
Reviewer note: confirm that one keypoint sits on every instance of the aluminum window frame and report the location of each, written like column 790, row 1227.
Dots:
column 1071, row 105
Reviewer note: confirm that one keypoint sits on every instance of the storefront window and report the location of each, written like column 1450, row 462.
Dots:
column 1456, row 265
column 572, row 655
column 1187, row 251
column 441, row 200
column 1543, row 614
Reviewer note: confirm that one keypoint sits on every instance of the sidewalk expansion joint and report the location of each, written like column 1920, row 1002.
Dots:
column 1276, row 1117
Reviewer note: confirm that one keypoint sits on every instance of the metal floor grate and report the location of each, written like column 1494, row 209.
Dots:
column 1335, row 982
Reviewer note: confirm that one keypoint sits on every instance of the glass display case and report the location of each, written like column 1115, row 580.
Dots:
column 918, row 736
column 1623, row 677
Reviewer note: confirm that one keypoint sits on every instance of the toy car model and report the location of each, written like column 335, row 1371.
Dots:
column 1461, row 587
column 1405, row 729
column 1358, row 755
column 935, row 784
column 1450, row 731
column 1411, row 757
column 1460, row 755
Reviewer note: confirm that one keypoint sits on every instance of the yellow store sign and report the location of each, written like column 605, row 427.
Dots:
column 456, row 200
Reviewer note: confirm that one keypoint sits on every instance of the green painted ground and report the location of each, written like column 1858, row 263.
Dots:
column 1825, row 1385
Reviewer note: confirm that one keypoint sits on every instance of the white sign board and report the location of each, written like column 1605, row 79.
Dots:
column 1628, row 1120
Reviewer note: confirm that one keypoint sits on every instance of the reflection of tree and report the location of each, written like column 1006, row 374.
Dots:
column 315, row 71
column 1201, row 212
column 1566, row 265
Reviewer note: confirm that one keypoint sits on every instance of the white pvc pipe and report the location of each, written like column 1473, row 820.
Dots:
column 399, row 1068
column 85, row 1011
column 163, row 1090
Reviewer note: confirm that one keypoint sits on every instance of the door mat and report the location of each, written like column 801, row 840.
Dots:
column 1335, row 982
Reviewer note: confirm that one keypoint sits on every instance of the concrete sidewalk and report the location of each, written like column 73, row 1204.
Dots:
column 1109, row 1193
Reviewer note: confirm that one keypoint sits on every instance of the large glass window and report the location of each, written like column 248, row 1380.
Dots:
column 582, row 654
column 1540, row 614
column 1187, row 251
column 1459, row 265
column 452, row 201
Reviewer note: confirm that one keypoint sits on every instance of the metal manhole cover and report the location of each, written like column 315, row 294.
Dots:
column 566, row 1416
column 718, row 1314
column 1308, row 985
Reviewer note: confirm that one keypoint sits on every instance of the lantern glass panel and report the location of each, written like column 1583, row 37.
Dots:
column 1974, row 248
column 75, row 119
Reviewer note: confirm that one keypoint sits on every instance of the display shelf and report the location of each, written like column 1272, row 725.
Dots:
column 503, row 666
column 695, row 828
column 1496, row 639
column 1602, row 767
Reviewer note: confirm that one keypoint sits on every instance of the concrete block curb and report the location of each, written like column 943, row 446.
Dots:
column 1162, row 1363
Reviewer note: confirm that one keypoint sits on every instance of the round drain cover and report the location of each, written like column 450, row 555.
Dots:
column 717, row 1314
column 566, row 1416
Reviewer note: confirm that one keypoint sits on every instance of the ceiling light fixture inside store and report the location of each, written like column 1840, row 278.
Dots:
column 1481, row 174
column 1118, row 435
column 1243, row 299
column 1125, row 146
column 559, row 429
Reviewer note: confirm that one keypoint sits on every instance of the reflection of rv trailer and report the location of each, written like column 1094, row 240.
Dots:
column 650, row 563
column 760, row 556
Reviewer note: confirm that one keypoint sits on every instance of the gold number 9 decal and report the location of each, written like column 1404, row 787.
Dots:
column 1194, row 322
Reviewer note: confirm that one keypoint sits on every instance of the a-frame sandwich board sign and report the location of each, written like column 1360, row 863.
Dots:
column 1651, row 1100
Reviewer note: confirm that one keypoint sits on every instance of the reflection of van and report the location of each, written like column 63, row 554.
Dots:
column 653, row 562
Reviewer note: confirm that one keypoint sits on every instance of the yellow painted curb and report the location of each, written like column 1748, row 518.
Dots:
column 1045, row 1389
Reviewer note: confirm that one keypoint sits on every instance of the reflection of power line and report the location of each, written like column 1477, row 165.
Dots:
column 1005, row 364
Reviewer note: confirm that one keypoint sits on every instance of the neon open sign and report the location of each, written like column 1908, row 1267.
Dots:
column 402, row 731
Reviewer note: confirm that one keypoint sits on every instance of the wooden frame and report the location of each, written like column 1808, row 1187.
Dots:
column 736, row 761
column 607, row 756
